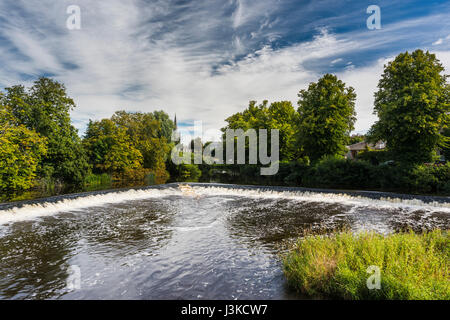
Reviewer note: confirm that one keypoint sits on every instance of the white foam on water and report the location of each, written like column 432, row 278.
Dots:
column 33, row 211
column 341, row 198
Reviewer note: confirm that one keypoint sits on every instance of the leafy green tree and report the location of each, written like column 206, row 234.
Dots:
column 167, row 126
column 279, row 115
column 412, row 104
column 326, row 117
column 110, row 148
column 145, row 132
column 446, row 149
column 282, row 116
column 21, row 150
column 45, row 108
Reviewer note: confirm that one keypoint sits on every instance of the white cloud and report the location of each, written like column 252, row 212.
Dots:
column 365, row 81
column 127, row 58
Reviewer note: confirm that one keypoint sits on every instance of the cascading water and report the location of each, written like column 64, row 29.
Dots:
column 197, row 241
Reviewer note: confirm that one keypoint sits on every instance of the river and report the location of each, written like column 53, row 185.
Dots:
column 196, row 241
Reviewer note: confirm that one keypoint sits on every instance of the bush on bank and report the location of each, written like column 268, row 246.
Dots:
column 340, row 173
column 412, row 266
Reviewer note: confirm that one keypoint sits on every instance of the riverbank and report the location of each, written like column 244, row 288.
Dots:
column 411, row 266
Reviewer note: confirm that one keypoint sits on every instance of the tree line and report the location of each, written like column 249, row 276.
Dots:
column 40, row 144
column 412, row 105
column 38, row 141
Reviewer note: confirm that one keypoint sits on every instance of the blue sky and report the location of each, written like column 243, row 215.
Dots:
column 204, row 60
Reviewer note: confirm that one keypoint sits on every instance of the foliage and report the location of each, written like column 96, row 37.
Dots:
column 145, row 132
column 446, row 149
column 337, row 172
column 355, row 138
column 110, row 149
column 188, row 173
column 44, row 108
column 129, row 145
column 21, row 150
column 413, row 266
column 166, row 126
column 413, row 105
column 327, row 115
column 375, row 157
column 279, row 115
column 149, row 133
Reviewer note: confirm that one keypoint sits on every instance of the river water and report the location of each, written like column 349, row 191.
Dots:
column 175, row 241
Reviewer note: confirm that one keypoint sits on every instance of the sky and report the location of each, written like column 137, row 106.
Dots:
column 204, row 60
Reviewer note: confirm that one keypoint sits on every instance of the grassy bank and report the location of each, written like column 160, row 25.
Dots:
column 413, row 266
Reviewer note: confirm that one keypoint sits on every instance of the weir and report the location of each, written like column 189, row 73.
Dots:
column 10, row 212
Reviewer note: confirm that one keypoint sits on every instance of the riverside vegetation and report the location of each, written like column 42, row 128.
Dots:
column 412, row 266
column 41, row 148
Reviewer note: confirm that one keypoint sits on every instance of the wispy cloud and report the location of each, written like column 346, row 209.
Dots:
column 202, row 60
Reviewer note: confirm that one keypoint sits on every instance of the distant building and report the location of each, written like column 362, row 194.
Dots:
column 356, row 148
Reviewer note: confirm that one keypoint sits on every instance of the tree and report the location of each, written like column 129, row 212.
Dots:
column 279, row 115
column 446, row 149
column 326, row 117
column 282, row 116
column 167, row 126
column 110, row 149
column 146, row 133
column 21, row 150
column 44, row 108
column 412, row 104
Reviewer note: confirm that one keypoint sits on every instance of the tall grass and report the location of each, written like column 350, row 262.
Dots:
column 413, row 266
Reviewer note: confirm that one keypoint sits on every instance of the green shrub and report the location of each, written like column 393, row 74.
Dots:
column 340, row 173
column 412, row 266
column 336, row 172
column 298, row 171
column 375, row 157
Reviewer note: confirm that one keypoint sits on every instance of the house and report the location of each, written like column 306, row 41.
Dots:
column 356, row 148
